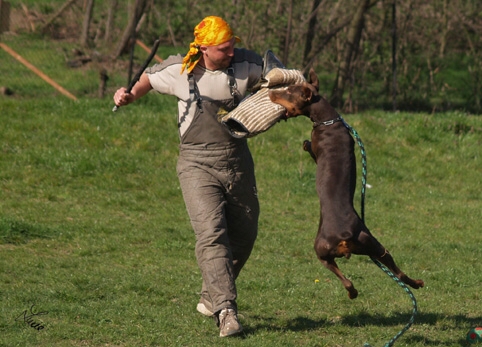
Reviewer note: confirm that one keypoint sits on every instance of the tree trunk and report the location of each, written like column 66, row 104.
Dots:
column 445, row 29
column 349, row 50
column 4, row 16
column 109, row 25
column 394, row 55
column 310, row 34
column 286, row 49
column 128, row 35
column 57, row 14
column 84, row 37
column 321, row 43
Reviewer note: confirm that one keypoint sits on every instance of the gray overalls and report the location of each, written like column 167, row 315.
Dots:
column 216, row 173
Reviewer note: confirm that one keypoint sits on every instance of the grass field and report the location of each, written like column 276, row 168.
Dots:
column 94, row 233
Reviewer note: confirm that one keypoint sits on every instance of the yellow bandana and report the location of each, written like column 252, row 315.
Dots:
column 212, row 31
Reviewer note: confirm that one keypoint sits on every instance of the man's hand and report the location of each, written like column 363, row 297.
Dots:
column 122, row 98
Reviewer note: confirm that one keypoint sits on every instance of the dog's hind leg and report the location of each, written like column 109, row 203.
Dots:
column 370, row 246
column 387, row 260
column 331, row 265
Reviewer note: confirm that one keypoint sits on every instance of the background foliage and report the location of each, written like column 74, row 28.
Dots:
column 438, row 43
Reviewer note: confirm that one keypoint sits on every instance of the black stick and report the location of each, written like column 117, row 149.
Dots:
column 141, row 70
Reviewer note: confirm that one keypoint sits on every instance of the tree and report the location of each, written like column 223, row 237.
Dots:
column 350, row 49
column 394, row 55
column 109, row 25
column 56, row 15
column 84, row 37
column 311, row 32
column 130, row 30
column 286, row 47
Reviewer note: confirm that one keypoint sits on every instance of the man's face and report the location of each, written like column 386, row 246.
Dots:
column 218, row 57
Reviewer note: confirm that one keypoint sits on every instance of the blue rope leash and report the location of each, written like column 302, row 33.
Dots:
column 410, row 294
column 380, row 265
column 364, row 166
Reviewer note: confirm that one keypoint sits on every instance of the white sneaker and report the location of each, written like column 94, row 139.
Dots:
column 201, row 308
column 228, row 322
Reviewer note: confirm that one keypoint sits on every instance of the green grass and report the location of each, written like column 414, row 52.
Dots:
column 93, row 230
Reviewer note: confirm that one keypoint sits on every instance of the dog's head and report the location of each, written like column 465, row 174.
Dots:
column 297, row 98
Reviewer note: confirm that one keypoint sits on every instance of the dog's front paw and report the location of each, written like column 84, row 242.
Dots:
column 352, row 293
column 307, row 145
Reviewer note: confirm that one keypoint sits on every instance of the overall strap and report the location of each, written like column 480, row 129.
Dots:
column 233, row 86
column 194, row 91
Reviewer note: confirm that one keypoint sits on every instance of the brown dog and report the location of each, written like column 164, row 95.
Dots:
column 341, row 231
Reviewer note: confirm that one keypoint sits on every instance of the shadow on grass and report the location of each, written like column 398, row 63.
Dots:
column 299, row 324
column 303, row 324
column 431, row 319
column 18, row 232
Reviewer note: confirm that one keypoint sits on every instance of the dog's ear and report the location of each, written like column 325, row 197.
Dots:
column 314, row 79
column 307, row 92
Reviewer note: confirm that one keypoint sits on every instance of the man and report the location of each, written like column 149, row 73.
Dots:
column 215, row 170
